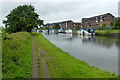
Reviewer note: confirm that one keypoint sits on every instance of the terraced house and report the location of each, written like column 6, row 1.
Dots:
column 96, row 21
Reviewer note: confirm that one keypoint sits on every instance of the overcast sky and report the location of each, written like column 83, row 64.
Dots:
column 61, row 10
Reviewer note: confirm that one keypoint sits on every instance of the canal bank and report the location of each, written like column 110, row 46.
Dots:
column 98, row 51
column 63, row 65
column 111, row 33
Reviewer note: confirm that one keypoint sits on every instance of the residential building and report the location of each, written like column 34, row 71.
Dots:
column 77, row 24
column 50, row 25
column 67, row 24
column 96, row 21
column 63, row 24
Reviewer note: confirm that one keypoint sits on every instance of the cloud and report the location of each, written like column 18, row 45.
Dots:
column 60, row 10
column 58, row 1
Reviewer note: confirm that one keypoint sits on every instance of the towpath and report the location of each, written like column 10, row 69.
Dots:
column 35, row 72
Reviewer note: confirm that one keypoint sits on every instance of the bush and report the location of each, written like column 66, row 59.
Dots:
column 105, row 28
column 117, row 23
column 4, row 34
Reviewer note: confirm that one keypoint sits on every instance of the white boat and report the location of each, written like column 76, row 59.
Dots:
column 52, row 30
column 69, row 31
column 80, row 31
column 89, row 32
column 60, row 30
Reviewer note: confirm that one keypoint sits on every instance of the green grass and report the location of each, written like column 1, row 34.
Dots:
column 75, row 31
column 63, row 65
column 106, row 32
column 17, row 55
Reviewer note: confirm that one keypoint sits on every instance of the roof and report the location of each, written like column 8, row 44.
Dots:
column 58, row 22
column 97, row 16
column 67, row 21
column 102, row 15
column 77, row 23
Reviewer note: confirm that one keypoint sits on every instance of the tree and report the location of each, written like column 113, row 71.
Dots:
column 57, row 26
column 103, row 27
column 77, row 27
column 22, row 18
column 112, row 23
column 117, row 23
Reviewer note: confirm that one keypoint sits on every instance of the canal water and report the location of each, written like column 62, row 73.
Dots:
column 98, row 51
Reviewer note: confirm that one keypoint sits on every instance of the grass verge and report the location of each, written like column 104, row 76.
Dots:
column 106, row 32
column 63, row 65
column 17, row 55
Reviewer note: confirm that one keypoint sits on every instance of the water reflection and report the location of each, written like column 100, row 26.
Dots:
column 101, row 41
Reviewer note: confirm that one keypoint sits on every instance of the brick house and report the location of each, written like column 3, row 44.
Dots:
column 63, row 24
column 67, row 24
column 96, row 21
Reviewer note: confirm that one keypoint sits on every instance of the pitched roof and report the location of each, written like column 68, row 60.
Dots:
column 97, row 16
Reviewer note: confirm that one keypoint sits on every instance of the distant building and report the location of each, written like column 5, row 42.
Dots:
column 63, row 24
column 50, row 25
column 67, row 24
column 96, row 21
column 77, row 24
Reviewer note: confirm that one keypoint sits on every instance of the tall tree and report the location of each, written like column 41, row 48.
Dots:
column 22, row 18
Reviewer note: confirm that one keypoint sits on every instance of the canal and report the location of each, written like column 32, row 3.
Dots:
column 97, row 51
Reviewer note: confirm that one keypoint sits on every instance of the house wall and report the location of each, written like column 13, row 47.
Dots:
column 64, row 24
column 98, row 20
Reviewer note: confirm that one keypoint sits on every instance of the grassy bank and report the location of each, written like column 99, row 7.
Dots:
column 63, row 65
column 17, row 55
column 106, row 32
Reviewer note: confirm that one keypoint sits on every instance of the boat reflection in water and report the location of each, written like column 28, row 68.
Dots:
column 100, row 40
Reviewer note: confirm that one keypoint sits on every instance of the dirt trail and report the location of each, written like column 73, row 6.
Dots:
column 35, row 72
column 44, row 66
